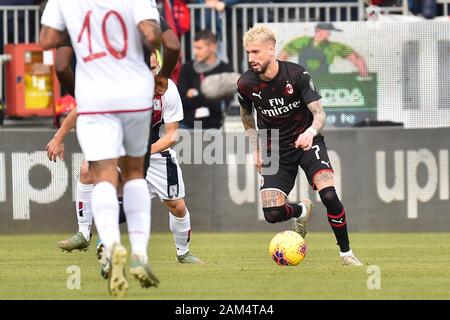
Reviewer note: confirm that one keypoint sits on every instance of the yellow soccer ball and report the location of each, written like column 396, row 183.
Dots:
column 287, row 248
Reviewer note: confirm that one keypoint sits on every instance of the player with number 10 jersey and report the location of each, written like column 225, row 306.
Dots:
column 111, row 75
column 114, row 91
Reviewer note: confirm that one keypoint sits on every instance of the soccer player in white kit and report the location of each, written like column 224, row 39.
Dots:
column 114, row 91
column 164, row 175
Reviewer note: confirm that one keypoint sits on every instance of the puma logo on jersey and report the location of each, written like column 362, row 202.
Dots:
column 327, row 163
column 257, row 95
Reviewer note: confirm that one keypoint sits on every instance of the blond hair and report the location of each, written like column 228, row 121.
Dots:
column 259, row 34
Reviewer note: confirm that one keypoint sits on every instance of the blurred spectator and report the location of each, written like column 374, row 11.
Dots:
column 219, row 7
column 223, row 6
column 377, row 2
column 177, row 15
column 386, row 3
column 427, row 8
column 196, row 106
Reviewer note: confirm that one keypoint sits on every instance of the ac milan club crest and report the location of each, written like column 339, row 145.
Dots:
column 289, row 88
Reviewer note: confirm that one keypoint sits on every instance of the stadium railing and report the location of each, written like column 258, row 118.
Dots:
column 19, row 24
column 445, row 6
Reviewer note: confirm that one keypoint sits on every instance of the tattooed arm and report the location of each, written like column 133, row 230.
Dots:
column 248, row 120
column 319, row 115
column 250, row 130
column 305, row 139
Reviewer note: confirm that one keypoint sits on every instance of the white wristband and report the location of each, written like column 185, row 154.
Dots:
column 312, row 130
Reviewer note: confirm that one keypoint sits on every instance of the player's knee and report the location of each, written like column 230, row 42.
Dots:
column 328, row 195
column 273, row 214
column 180, row 209
column 85, row 176
column 177, row 207
column 330, row 199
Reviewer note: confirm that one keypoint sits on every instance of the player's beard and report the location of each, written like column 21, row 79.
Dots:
column 262, row 68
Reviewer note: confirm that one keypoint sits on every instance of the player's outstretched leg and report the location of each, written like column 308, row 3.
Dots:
column 180, row 225
column 299, row 224
column 81, row 240
column 337, row 221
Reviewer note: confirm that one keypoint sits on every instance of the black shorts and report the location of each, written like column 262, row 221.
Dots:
column 312, row 162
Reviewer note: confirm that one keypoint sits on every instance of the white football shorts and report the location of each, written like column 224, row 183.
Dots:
column 112, row 135
column 164, row 176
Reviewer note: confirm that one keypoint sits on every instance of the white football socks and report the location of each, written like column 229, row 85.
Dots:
column 304, row 210
column 84, row 210
column 181, row 229
column 345, row 254
column 105, row 209
column 136, row 204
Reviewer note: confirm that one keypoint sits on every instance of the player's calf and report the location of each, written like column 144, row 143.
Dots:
column 336, row 216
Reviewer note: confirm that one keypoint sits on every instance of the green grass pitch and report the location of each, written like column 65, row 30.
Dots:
column 238, row 266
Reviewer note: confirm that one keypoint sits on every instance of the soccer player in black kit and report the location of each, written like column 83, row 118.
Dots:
column 284, row 97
